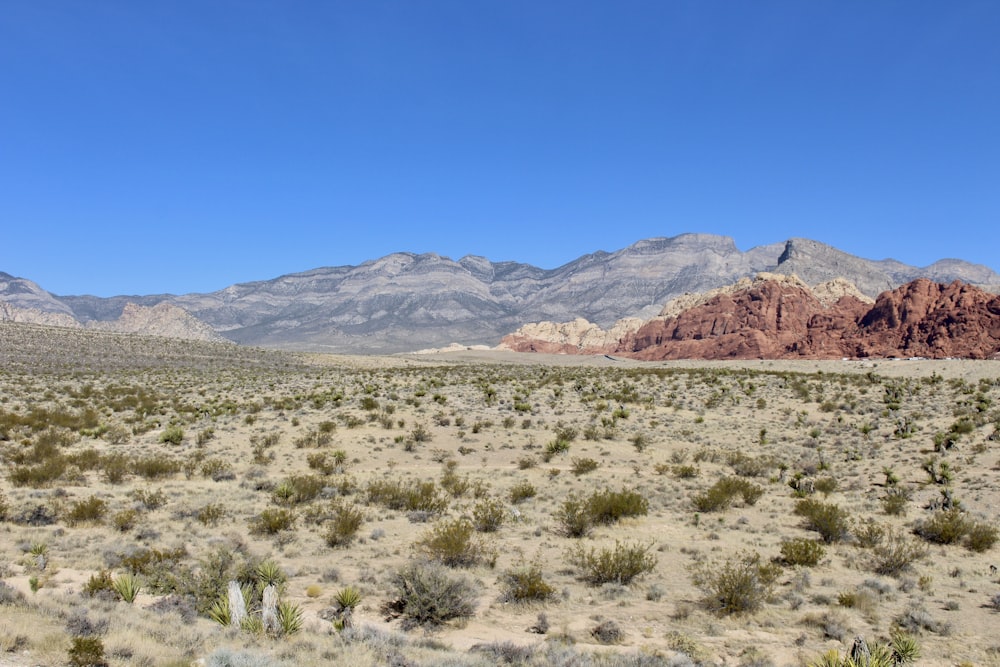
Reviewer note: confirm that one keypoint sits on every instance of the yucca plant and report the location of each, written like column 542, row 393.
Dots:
column 289, row 618
column 347, row 598
column 269, row 573
column 127, row 587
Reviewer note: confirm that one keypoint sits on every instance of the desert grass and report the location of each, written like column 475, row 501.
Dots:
column 596, row 494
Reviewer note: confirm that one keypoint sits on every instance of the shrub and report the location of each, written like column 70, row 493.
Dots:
column 741, row 585
column 114, row 468
column 343, row 526
column 525, row 584
column 173, row 435
column 619, row 565
column 607, row 632
column 155, row 466
column 895, row 500
column 100, row 585
column 489, row 515
column 347, row 598
column 211, row 514
column 574, row 517
column 453, row 543
column 827, row 519
column 801, row 551
column 944, row 527
column 685, row 471
column 721, row 494
column 217, row 470
column 608, row 507
column 522, row 491
column 87, row 652
column 583, row 466
column 427, row 594
column 272, row 522
column 981, row 537
column 298, row 489
column 412, row 496
column 92, row 509
column 895, row 554
column 124, row 521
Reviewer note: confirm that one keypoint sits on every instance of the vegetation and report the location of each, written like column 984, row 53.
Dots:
column 345, row 469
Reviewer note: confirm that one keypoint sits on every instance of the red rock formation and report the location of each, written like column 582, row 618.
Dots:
column 778, row 318
column 928, row 319
column 770, row 320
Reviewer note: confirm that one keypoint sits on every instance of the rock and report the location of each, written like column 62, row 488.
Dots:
column 928, row 319
column 780, row 317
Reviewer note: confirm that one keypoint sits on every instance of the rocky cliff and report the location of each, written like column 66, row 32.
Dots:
column 779, row 317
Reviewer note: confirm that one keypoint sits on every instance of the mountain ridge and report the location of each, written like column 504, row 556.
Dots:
column 406, row 301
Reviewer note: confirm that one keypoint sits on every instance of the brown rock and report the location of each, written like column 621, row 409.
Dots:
column 779, row 317
column 771, row 319
column 928, row 319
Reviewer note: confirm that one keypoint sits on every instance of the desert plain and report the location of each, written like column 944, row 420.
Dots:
column 565, row 510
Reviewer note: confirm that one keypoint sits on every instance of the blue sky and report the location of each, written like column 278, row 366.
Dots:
column 182, row 146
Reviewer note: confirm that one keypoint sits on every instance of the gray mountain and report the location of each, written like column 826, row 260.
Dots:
column 406, row 301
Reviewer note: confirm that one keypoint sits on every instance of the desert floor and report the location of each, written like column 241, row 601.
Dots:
column 181, row 466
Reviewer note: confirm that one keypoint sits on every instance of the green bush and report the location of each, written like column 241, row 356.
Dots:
column 720, row 496
column 173, row 435
column 87, row 652
column 525, row 584
column 455, row 544
column 155, row 466
column 573, row 517
column 92, row 509
column 619, row 565
column 522, row 491
column 944, row 527
column 829, row 520
column 298, row 489
column 343, row 526
column 801, row 551
column 553, row 448
column 489, row 515
column 608, row 507
column 411, row 496
column 272, row 521
column 738, row 586
column 981, row 537
column 427, row 594
column 583, row 466
column 895, row 500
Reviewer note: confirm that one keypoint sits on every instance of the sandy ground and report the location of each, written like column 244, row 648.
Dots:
column 641, row 422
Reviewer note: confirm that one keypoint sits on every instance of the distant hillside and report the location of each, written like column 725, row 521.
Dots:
column 404, row 301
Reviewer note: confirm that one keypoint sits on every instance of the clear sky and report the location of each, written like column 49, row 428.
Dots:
column 182, row 146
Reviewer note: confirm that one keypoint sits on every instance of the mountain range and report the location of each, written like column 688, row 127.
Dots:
column 404, row 301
